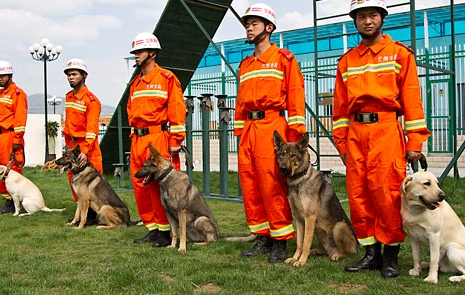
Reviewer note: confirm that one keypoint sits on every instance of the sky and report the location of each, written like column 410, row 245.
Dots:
column 100, row 32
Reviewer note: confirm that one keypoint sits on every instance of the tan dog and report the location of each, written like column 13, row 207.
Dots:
column 93, row 191
column 314, row 204
column 24, row 193
column 430, row 222
column 185, row 207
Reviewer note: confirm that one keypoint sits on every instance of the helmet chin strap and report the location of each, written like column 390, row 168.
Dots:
column 257, row 38
column 149, row 56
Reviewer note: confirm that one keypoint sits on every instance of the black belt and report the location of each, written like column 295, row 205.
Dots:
column 152, row 129
column 6, row 130
column 366, row 118
column 258, row 115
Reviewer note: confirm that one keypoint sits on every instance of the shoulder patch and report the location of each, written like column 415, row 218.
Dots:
column 344, row 54
column 289, row 55
column 90, row 95
column 167, row 74
column 405, row 46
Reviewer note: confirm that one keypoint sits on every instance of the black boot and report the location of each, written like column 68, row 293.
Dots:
column 372, row 259
column 262, row 246
column 390, row 267
column 163, row 239
column 9, row 207
column 278, row 251
column 150, row 237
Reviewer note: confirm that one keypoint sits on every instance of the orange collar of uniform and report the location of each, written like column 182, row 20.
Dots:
column 11, row 86
column 81, row 93
column 376, row 48
column 147, row 78
column 265, row 56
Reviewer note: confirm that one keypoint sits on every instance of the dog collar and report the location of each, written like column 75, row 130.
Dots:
column 164, row 174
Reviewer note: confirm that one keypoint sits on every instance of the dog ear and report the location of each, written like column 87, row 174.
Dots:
column 153, row 151
column 77, row 150
column 405, row 183
column 277, row 139
column 303, row 142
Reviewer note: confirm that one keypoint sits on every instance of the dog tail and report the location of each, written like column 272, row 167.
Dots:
column 249, row 238
column 46, row 209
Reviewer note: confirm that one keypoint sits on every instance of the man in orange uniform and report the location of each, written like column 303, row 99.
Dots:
column 375, row 84
column 155, row 100
column 13, row 115
column 270, row 83
column 82, row 122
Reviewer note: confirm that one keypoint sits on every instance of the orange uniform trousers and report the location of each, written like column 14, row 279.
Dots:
column 94, row 157
column 6, row 146
column 264, row 189
column 375, row 168
column 148, row 201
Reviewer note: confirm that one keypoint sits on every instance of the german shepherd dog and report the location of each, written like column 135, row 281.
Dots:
column 314, row 204
column 185, row 207
column 95, row 192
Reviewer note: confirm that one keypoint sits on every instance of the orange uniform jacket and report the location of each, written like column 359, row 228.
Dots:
column 272, row 82
column 154, row 100
column 13, row 115
column 82, row 126
column 381, row 79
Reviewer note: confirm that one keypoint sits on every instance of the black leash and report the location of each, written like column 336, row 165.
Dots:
column 316, row 154
column 188, row 157
column 422, row 161
column 10, row 162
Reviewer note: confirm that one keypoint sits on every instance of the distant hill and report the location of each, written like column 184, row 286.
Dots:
column 36, row 106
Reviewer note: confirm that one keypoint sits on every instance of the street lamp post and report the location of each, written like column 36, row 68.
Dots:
column 45, row 51
column 54, row 100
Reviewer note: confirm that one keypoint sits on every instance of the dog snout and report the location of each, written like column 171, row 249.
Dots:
column 441, row 196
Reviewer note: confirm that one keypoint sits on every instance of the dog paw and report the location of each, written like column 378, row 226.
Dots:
column 432, row 280
column 413, row 272
column 299, row 263
column 290, row 260
column 456, row 279
column 182, row 250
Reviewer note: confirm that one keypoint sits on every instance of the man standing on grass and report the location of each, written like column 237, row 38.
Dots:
column 270, row 83
column 13, row 115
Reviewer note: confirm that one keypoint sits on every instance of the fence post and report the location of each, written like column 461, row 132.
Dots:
column 206, row 106
column 189, row 136
column 224, row 118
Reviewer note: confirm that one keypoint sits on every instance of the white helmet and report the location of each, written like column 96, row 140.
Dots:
column 5, row 68
column 145, row 40
column 261, row 10
column 357, row 4
column 76, row 64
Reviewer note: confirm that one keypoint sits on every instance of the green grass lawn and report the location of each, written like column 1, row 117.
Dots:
column 40, row 254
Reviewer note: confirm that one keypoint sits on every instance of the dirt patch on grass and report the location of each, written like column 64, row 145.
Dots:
column 208, row 288
column 346, row 288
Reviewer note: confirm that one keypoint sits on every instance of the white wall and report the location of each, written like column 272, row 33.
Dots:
column 35, row 139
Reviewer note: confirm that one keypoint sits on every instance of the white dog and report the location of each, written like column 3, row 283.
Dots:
column 430, row 222
column 23, row 192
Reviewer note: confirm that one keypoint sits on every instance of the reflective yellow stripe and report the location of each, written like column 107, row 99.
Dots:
column 142, row 93
column 20, row 129
column 373, row 68
column 415, row 124
column 258, row 227
column 282, row 231
column 367, row 241
column 75, row 106
column 6, row 196
column 91, row 135
column 344, row 122
column 177, row 128
column 239, row 124
column 6, row 100
column 154, row 226
column 262, row 74
column 296, row 120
